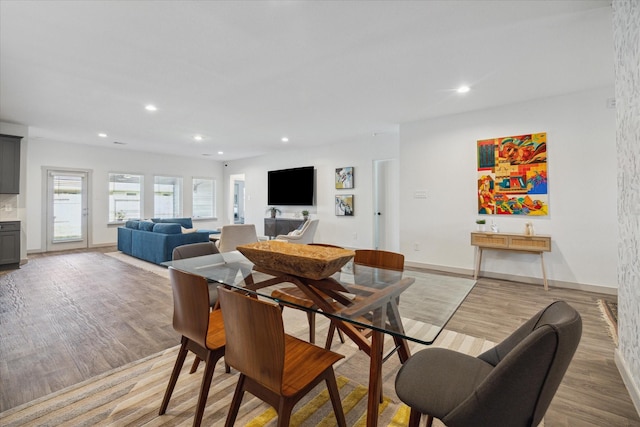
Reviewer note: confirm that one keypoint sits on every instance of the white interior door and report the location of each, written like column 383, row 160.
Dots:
column 384, row 210
column 67, row 210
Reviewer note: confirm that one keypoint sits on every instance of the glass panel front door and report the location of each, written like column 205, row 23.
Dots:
column 67, row 226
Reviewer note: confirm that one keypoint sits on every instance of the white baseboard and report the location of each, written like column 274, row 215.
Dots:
column 632, row 386
column 520, row 279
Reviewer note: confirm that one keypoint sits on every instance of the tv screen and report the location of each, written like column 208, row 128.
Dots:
column 291, row 187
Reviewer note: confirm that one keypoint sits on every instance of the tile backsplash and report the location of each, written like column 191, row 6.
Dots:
column 8, row 206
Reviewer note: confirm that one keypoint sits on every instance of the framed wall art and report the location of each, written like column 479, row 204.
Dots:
column 344, row 204
column 344, row 177
column 512, row 175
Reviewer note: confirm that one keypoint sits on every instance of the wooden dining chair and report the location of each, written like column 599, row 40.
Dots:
column 202, row 333
column 380, row 259
column 294, row 295
column 192, row 250
column 275, row 367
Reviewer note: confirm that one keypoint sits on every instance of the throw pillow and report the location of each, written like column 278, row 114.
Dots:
column 188, row 230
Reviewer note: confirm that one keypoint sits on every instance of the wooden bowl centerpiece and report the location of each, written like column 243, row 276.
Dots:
column 311, row 262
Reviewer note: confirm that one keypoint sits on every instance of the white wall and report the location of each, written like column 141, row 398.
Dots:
column 102, row 161
column 439, row 156
column 359, row 153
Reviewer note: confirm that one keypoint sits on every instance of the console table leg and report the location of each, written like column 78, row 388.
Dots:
column 544, row 272
column 478, row 261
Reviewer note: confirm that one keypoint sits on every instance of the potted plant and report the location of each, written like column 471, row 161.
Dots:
column 481, row 223
column 305, row 214
column 273, row 211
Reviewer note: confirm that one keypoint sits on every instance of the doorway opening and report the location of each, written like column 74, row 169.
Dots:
column 237, row 198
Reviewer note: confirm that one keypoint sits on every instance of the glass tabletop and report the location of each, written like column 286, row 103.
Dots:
column 413, row 305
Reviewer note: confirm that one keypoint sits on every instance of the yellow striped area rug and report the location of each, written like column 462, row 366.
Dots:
column 131, row 395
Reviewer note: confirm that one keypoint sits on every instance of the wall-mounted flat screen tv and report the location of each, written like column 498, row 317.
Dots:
column 292, row 187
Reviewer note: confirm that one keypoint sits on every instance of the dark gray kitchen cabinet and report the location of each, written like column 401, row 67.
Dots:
column 9, row 242
column 9, row 164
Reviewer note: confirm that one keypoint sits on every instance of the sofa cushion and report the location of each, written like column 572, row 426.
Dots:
column 146, row 225
column 167, row 228
column 185, row 222
column 133, row 224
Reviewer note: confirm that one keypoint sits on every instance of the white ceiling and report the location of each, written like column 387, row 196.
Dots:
column 244, row 74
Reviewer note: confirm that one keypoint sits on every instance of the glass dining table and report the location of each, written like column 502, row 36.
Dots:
column 365, row 303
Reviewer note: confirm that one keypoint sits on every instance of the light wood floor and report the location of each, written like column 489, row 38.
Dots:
column 128, row 315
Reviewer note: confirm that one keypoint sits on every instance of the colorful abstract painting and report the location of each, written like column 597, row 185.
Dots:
column 512, row 175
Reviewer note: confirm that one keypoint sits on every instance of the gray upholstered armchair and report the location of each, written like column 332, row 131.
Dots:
column 512, row 384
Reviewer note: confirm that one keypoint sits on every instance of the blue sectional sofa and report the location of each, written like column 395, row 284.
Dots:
column 155, row 240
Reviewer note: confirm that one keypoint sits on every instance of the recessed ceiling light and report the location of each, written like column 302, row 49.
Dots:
column 284, row 139
column 102, row 135
column 198, row 137
column 119, row 143
column 463, row 89
column 220, row 152
column 207, row 154
column 151, row 107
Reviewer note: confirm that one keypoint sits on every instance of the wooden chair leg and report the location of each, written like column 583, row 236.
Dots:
column 334, row 394
column 332, row 329
column 235, row 402
column 284, row 410
column 311, row 317
column 414, row 418
column 210, row 365
column 182, row 354
column 429, row 420
column 194, row 367
column 327, row 344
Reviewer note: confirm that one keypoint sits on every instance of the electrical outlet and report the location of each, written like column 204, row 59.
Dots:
column 416, row 246
column 355, row 236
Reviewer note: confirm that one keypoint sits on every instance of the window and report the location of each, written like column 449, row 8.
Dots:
column 204, row 198
column 167, row 197
column 125, row 197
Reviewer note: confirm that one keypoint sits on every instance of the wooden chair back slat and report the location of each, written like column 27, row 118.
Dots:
column 193, row 250
column 190, row 305
column 255, row 338
column 378, row 258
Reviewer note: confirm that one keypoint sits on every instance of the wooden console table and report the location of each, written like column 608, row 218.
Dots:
column 537, row 244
